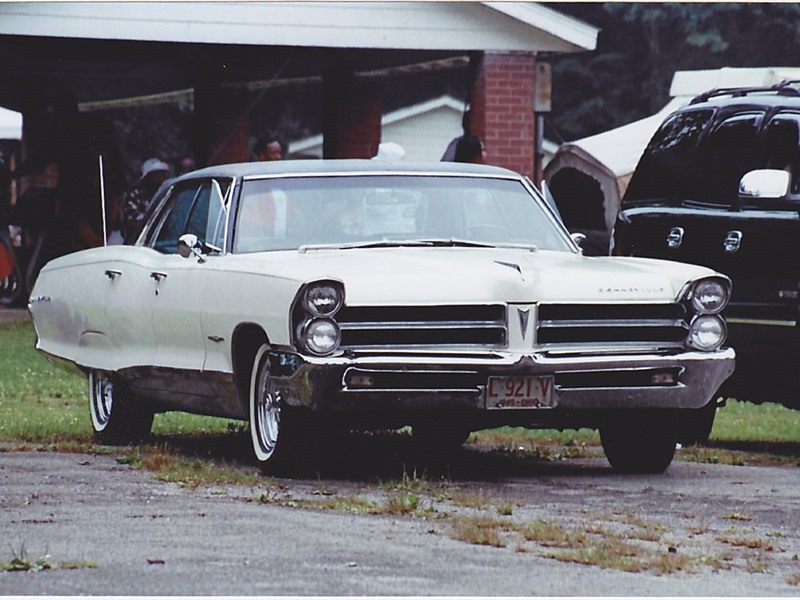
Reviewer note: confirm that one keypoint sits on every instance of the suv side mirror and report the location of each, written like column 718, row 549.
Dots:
column 764, row 183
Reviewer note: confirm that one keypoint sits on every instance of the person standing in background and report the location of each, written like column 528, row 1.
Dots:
column 466, row 124
column 469, row 149
column 267, row 148
column 134, row 205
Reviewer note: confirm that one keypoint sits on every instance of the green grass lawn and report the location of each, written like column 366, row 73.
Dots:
column 40, row 403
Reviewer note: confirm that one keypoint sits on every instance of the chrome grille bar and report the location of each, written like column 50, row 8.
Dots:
column 423, row 326
column 593, row 324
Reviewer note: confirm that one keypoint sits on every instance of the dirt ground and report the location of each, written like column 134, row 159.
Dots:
column 484, row 524
column 13, row 314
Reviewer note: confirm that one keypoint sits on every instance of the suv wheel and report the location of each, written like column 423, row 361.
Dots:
column 640, row 442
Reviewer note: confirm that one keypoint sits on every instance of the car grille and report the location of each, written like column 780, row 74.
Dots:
column 611, row 324
column 406, row 326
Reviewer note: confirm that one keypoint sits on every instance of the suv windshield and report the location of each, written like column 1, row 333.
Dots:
column 292, row 212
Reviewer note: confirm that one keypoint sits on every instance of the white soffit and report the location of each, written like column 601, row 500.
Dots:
column 488, row 26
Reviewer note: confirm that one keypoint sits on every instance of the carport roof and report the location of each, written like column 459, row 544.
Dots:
column 490, row 26
column 105, row 51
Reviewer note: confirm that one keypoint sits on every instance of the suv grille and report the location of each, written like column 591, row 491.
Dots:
column 639, row 324
column 372, row 326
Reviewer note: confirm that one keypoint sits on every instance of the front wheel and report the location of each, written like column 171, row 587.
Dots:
column 268, row 422
column 640, row 442
column 695, row 425
column 116, row 419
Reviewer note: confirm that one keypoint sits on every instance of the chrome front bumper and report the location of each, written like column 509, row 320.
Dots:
column 458, row 382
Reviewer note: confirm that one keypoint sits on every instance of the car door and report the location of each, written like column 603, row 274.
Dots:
column 127, row 292
column 178, row 283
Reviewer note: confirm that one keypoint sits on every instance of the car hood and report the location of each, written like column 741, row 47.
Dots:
column 477, row 275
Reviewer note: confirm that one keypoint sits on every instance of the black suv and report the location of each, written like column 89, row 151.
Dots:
column 719, row 185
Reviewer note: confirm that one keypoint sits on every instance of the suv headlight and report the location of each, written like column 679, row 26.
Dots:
column 707, row 332
column 710, row 296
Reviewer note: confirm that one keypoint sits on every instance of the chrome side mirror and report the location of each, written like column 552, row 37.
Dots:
column 764, row 183
column 189, row 245
column 579, row 239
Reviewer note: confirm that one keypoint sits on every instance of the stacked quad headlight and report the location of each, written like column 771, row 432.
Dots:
column 707, row 298
column 318, row 332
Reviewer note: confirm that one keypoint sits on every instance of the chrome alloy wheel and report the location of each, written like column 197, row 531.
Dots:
column 265, row 412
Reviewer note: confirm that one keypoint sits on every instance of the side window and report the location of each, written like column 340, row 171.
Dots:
column 197, row 208
column 782, row 146
column 680, row 132
column 728, row 152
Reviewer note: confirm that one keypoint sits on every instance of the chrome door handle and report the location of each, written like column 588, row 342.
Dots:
column 158, row 276
column 112, row 274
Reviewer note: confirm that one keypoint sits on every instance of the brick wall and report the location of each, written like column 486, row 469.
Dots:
column 502, row 110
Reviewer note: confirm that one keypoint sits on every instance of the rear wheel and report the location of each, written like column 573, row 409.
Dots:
column 439, row 439
column 116, row 418
column 640, row 442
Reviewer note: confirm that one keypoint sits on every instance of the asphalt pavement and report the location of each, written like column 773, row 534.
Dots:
column 110, row 529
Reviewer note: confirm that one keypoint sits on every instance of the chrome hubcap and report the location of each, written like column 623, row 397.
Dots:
column 102, row 400
column 267, row 416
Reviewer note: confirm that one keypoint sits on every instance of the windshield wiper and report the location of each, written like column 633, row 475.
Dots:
column 413, row 243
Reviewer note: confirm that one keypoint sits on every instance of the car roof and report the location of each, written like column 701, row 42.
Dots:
column 342, row 166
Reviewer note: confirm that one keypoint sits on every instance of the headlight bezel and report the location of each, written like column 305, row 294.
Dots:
column 306, row 315
column 306, row 335
column 323, row 287
column 699, row 289
column 699, row 311
column 694, row 327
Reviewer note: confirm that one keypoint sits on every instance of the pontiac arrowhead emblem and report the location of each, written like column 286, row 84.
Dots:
column 523, row 314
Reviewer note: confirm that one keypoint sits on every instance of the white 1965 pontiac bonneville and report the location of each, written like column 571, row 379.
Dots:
column 375, row 295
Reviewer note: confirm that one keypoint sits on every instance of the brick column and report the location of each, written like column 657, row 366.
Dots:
column 502, row 110
column 352, row 120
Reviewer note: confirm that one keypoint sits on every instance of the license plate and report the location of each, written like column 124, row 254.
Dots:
column 519, row 392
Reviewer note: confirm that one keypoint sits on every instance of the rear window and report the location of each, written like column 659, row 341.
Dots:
column 684, row 163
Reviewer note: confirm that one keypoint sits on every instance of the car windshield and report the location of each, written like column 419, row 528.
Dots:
column 391, row 210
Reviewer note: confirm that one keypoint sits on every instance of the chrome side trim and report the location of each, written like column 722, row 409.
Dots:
column 768, row 322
